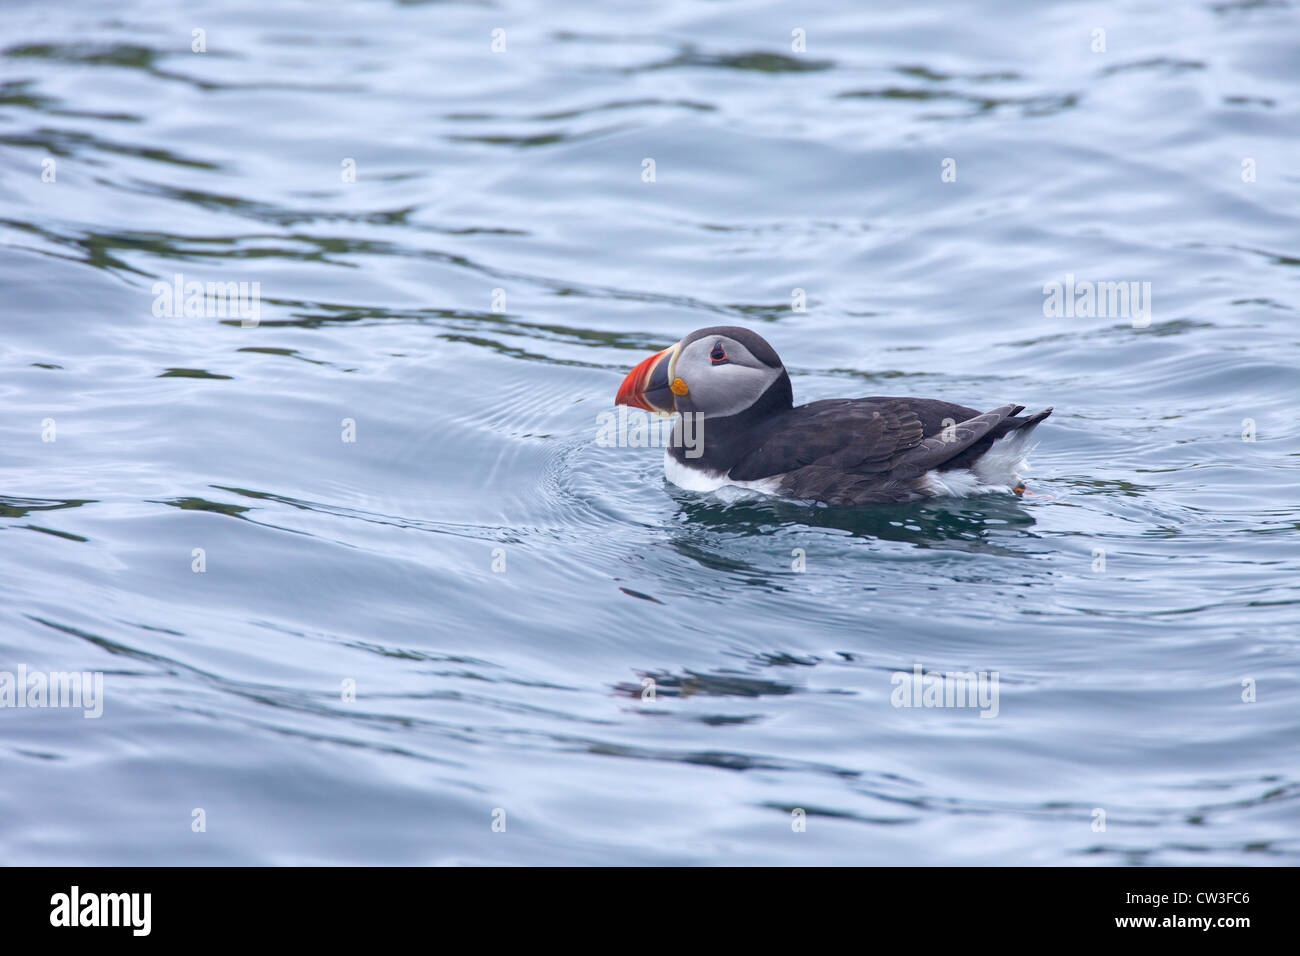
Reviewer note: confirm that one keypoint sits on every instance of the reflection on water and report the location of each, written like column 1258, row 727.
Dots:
column 972, row 523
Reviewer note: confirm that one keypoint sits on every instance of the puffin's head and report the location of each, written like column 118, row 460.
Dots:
column 715, row 372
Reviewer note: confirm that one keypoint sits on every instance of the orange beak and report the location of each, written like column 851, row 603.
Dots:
column 647, row 385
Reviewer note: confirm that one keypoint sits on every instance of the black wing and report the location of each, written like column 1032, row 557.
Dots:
column 865, row 449
column 847, row 434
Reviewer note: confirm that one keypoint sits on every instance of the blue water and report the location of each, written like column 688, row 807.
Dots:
column 1131, row 606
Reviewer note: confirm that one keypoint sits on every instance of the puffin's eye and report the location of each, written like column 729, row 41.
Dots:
column 719, row 354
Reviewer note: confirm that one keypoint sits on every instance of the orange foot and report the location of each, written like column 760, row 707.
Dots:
column 1022, row 490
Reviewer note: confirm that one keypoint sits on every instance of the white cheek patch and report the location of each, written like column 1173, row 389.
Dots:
column 723, row 390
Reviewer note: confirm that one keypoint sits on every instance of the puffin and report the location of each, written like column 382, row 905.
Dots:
column 737, row 425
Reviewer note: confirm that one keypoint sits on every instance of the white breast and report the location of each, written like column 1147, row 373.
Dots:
column 701, row 479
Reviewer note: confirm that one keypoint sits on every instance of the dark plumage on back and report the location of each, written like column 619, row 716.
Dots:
column 851, row 451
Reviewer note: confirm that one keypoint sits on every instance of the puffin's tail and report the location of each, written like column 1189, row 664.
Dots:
column 971, row 436
column 1001, row 461
column 1006, row 423
column 1021, row 424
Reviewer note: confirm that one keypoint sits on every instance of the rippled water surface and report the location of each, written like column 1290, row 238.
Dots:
column 499, row 586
